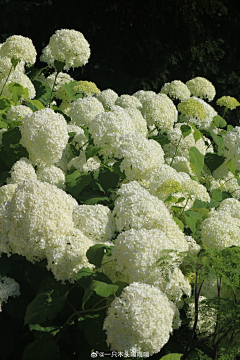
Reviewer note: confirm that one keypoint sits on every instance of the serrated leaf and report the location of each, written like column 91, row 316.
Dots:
column 219, row 121
column 213, row 161
column 191, row 222
column 96, row 252
column 100, row 288
column 194, row 214
column 196, row 159
column 42, row 349
column 186, row 130
column 76, row 182
column 92, row 151
column 59, row 65
column 161, row 139
column 179, row 222
column 217, row 195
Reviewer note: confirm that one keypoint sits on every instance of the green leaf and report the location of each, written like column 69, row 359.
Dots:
column 15, row 62
column 44, row 307
column 172, row 357
column 59, row 65
column 117, row 170
column 91, row 151
column 76, row 182
column 74, row 95
column 38, row 330
column 43, row 92
column 191, row 222
column 71, row 136
column 219, row 141
column 197, row 134
column 230, row 167
column 5, row 104
column 3, row 125
column 95, row 336
column 194, row 214
column 213, row 161
column 92, row 197
column 179, row 222
column 161, row 139
column 35, row 105
column 219, row 121
column 16, row 90
column 75, row 151
column 196, row 159
column 57, row 110
column 96, row 252
column 186, row 130
column 229, row 127
column 169, row 199
column 42, row 349
column 100, row 288
column 49, row 283
column 11, row 143
column 217, row 195
column 108, row 179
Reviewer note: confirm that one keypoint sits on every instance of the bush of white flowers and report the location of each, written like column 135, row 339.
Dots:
column 119, row 215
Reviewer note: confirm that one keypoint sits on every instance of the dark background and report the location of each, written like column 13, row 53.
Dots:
column 140, row 45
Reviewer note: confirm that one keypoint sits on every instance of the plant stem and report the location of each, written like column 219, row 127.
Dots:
column 6, row 80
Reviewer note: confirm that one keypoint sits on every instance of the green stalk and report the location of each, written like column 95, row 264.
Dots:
column 6, row 79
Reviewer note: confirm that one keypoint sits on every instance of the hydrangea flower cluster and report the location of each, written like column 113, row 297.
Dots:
column 18, row 112
column 21, row 79
column 45, row 135
column 139, row 121
column 141, row 319
column 192, row 108
column 69, row 46
column 201, row 87
column 128, row 101
column 51, row 174
column 176, row 89
column 62, row 78
column 19, row 47
column 22, row 170
column 228, row 101
column 83, row 111
column 88, row 87
column 143, row 95
column 231, row 141
column 82, row 165
column 8, row 287
column 6, row 66
column 139, row 155
column 160, row 111
column 107, row 98
column 6, row 192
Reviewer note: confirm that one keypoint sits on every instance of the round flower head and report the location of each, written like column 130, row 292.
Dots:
column 231, row 141
column 70, row 46
column 220, row 230
column 202, row 124
column 51, row 174
column 141, row 319
column 6, row 66
column 45, row 135
column 137, row 253
column 22, row 170
column 176, row 89
column 107, row 97
column 82, row 165
column 201, row 87
column 143, row 95
column 95, row 221
column 88, row 87
column 228, row 101
column 38, row 214
column 140, row 155
column 107, row 128
column 136, row 208
column 8, row 287
column 128, row 101
column 18, row 112
column 159, row 110
column 139, row 121
column 21, row 79
column 181, row 163
column 192, row 108
column 68, row 256
column 6, row 192
column 19, row 47
column 48, row 57
column 83, row 111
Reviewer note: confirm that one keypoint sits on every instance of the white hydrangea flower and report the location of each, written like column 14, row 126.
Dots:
column 51, row 174
column 202, row 124
column 228, row 183
column 201, row 87
column 181, row 164
column 109, row 268
column 62, row 78
column 19, row 47
column 67, row 155
column 21, row 79
column 220, row 230
column 193, row 188
column 68, row 256
column 45, row 135
column 6, row 66
column 194, row 248
column 136, row 208
column 160, row 110
column 107, row 128
column 139, row 121
column 143, row 95
column 176, row 89
column 206, row 319
column 6, row 192
column 83, row 111
column 83, row 165
column 8, row 287
column 137, row 253
column 186, row 143
column 37, row 215
column 48, row 57
column 231, row 141
column 128, row 101
column 141, row 319
column 231, row 206
column 22, row 170
column 18, row 112
column 95, row 221
column 69, row 46
column 140, row 155
column 107, row 97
